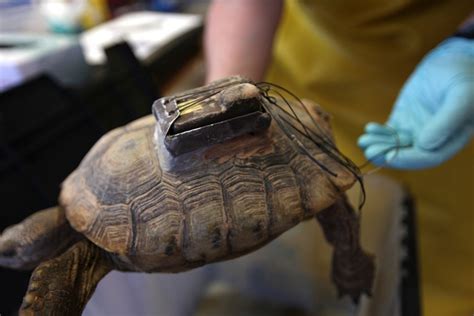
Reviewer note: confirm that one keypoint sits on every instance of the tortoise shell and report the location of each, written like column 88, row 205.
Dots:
column 162, row 213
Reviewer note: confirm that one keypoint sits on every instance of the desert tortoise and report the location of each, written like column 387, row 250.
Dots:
column 146, row 198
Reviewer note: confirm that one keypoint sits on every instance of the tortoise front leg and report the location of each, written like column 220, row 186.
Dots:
column 39, row 237
column 63, row 285
column 353, row 269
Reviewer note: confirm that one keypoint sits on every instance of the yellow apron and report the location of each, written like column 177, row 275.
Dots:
column 352, row 57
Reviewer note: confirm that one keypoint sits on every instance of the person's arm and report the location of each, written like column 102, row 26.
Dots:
column 239, row 36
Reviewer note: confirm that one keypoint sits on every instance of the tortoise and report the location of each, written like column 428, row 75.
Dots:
column 142, row 201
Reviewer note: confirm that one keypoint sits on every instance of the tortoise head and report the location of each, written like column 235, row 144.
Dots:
column 41, row 236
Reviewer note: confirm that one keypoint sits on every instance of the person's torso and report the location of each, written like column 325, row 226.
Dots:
column 352, row 57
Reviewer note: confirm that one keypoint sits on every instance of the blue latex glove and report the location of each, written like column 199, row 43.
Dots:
column 433, row 117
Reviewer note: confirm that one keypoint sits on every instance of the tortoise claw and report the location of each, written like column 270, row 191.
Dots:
column 353, row 274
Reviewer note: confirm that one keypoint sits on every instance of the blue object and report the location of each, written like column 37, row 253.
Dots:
column 433, row 117
column 61, row 28
column 166, row 5
column 13, row 3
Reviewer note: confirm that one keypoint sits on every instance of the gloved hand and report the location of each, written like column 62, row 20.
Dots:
column 433, row 117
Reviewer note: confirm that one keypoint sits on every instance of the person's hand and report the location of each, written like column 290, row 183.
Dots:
column 433, row 117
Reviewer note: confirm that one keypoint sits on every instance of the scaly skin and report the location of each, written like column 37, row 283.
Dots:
column 353, row 269
column 63, row 285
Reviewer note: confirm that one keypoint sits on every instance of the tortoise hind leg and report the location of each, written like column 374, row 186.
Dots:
column 353, row 269
column 39, row 237
column 63, row 285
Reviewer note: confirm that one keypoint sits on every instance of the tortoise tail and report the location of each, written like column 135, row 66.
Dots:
column 353, row 269
column 64, row 285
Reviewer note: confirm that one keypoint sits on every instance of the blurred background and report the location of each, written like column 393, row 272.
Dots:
column 71, row 70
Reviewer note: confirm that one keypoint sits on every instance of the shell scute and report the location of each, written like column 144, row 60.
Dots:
column 223, row 201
